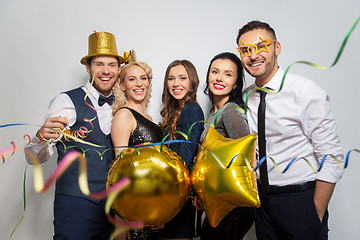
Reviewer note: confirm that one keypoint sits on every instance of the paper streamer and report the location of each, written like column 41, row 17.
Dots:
column 69, row 158
column 24, row 203
column 111, row 193
column 307, row 63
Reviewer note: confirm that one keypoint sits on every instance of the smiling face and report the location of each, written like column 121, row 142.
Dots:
column 222, row 78
column 135, row 84
column 178, row 82
column 260, row 64
column 105, row 70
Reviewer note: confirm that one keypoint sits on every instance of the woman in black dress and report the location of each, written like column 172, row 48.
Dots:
column 131, row 124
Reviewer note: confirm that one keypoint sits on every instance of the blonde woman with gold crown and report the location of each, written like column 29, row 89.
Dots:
column 131, row 124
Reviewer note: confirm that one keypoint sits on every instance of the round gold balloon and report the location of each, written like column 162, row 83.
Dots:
column 221, row 182
column 159, row 184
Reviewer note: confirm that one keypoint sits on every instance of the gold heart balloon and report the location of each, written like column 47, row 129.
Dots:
column 159, row 184
column 221, row 181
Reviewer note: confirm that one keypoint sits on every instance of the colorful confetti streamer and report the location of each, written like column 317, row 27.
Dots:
column 111, row 193
column 307, row 63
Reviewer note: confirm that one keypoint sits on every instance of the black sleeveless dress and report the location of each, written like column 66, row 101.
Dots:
column 145, row 131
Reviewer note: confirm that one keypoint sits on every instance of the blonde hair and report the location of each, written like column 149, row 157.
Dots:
column 120, row 96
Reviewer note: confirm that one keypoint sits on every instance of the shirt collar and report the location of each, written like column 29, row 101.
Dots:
column 275, row 82
column 93, row 91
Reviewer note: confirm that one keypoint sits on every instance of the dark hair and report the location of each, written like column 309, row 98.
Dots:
column 255, row 24
column 236, row 93
column 172, row 110
column 90, row 59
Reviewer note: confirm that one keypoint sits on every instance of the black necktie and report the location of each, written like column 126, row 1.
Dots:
column 264, row 181
column 103, row 100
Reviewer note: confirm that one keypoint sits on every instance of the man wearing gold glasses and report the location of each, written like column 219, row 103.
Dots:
column 294, row 122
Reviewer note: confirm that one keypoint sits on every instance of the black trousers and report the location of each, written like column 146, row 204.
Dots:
column 290, row 215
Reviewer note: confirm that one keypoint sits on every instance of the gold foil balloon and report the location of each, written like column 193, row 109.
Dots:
column 222, row 186
column 159, row 184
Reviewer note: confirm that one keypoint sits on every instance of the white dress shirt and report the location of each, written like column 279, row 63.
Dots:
column 298, row 123
column 62, row 106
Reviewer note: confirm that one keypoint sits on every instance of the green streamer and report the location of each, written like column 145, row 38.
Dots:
column 307, row 63
column 24, row 201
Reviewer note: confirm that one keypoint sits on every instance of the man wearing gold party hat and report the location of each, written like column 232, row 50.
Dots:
column 77, row 216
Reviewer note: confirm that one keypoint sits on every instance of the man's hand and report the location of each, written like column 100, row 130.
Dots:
column 323, row 192
column 46, row 131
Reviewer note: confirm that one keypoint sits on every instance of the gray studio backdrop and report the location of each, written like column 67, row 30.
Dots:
column 42, row 42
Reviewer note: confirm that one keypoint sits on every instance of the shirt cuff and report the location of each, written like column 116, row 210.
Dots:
column 35, row 148
column 332, row 176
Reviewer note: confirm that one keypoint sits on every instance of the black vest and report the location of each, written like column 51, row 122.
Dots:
column 97, row 168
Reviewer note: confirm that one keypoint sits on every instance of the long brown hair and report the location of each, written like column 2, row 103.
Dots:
column 172, row 110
